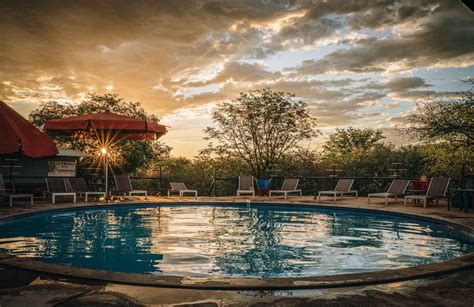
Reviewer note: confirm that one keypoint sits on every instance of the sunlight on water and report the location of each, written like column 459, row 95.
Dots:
column 239, row 241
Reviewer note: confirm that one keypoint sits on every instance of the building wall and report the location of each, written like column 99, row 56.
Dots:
column 30, row 170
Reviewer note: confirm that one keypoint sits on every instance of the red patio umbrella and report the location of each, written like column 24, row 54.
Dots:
column 120, row 125
column 106, row 123
column 17, row 135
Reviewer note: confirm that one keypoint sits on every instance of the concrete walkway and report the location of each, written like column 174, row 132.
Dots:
column 22, row 288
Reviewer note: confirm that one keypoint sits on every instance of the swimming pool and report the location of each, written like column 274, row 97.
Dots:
column 231, row 240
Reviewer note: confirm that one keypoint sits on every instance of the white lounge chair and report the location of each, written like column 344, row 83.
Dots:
column 288, row 186
column 343, row 187
column 180, row 187
column 436, row 190
column 59, row 187
column 397, row 189
column 124, row 186
column 11, row 195
column 246, row 185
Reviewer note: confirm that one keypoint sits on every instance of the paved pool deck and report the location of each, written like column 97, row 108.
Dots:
column 22, row 288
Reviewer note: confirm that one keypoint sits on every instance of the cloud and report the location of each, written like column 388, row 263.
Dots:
column 393, row 104
column 447, row 40
column 404, row 83
column 129, row 44
column 397, row 120
column 399, row 84
column 376, row 14
column 349, row 60
column 423, row 95
column 348, row 110
column 394, row 136
column 305, row 32
column 240, row 72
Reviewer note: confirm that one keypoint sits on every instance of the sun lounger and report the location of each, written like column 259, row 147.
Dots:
column 124, row 186
column 79, row 186
column 343, row 187
column 246, row 185
column 59, row 187
column 397, row 189
column 436, row 190
column 288, row 186
column 11, row 195
column 180, row 188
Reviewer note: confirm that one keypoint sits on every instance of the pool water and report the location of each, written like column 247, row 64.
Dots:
column 230, row 240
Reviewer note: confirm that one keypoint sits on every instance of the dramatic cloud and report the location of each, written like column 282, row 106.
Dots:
column 404, row 83
column 400, row 84
column 360, row 63
column 424, row 47
column 239, row 72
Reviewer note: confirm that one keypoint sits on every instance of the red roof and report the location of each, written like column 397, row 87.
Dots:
column 19, row 135
column 105, row 121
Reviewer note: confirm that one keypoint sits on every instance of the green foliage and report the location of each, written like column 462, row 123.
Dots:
column 413, row 159
column 442, row 121
column 361, row 152
column 447, row 159
column 259, row 127
column 449, row 124
column 429, row 160
column 127, row 155
column 199, row 173
column 351, row 140
column 300, row 163
column 357, row 151
column 261, row 132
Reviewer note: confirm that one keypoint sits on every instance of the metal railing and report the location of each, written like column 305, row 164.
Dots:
column 37, row 184
column 311, row 185
column 225, row 186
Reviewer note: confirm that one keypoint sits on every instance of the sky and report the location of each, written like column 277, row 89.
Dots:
column 359, row 63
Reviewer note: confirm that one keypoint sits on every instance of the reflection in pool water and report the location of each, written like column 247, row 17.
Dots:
column 224, row 240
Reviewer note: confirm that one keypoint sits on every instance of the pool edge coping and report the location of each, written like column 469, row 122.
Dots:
column 464, row 262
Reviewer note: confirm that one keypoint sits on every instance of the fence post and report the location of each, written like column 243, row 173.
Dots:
column 212, row 190
column 160, row 181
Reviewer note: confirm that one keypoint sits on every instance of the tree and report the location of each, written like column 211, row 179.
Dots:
column 358, row 151
column 259, row 127
column 450, row 123
column 446, row 159
column 348, row 140
column 128, row 155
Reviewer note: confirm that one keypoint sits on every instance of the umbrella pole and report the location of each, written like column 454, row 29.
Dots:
column 106, row 177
